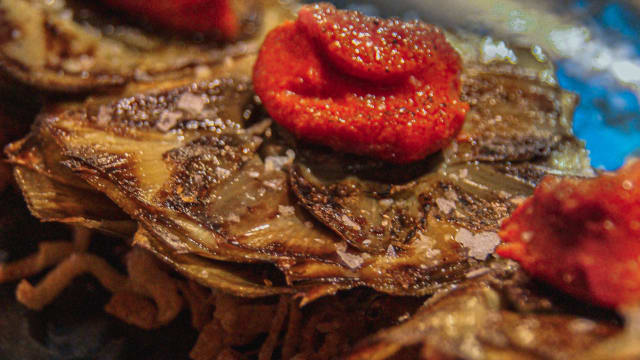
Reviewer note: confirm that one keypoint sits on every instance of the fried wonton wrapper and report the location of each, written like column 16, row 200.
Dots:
column 203, row 171
column 77, row 45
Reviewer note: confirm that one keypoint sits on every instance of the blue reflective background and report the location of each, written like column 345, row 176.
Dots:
column 608, row 117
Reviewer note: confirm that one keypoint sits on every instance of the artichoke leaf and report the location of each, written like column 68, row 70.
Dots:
column 74, row 46
column 230, row 278
column 202, row 170
column 475, row 320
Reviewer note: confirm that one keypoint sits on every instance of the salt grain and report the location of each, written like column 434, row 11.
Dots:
column 445, row 205
column 391, row 252
column 222, row 173
column 351, row 260
column 286, row 210
column 350, row 223
column 385, row 203
column 477, row 272
column 425, row 244
column 168, row 120
column 275, row 184
column 104, row 115
column 479, row 245
column 191, row 103
column 581, row 325
column 451, row 195
column 233, row 218
column 276, row 163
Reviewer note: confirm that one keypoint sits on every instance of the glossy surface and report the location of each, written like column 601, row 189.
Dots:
column 318, row 101
column 581, row 236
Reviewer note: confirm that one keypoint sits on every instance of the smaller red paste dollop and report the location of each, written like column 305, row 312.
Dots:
column 211, row 17
column 376, row 49
column 382, row 88
column 581, row 235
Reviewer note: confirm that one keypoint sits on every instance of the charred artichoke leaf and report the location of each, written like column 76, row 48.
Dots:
column 39, row 152
column 158, row 155
column 518, row 112
column 218, row 183
column 518, row 127
column 200, row 187
column 55, row 193
column 474, row 320
column 77, row 45
column 49, row 200
column 420, row 216
column 231, row 278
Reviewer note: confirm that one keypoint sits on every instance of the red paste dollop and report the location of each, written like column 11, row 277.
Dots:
column 211, row 17
column 382, row 88
column 581, row 235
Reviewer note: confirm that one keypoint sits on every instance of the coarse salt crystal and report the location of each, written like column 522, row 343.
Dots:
column 273, row 184
column 222, row 172
column 276, row 163
column 391, row 252
column 385, row 202
column 581, row 325
column 451, row 195
column 285, row 210
column 168, row 120
column 351, row 260
column 445, row 205
column 479, row 245
column 191, row 103
column 104, row 115
column 350, row 223
column 425, row 244
column 477, row 272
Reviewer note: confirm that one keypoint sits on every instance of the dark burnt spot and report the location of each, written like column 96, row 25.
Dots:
column 198, row 167
column 419, row 279
column 471, row 211
column 510, row 119
column 221, row 105
column 118, row 168
column 331, row 165
column 58, row 43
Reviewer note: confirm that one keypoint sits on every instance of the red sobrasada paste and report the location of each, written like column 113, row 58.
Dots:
column 581, row 235
column 214, row 17
column 383, row 88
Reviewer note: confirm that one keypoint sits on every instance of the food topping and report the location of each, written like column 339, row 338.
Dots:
column 364, row 85
column 215, row 17
column 582, row 235
column 376, row 49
